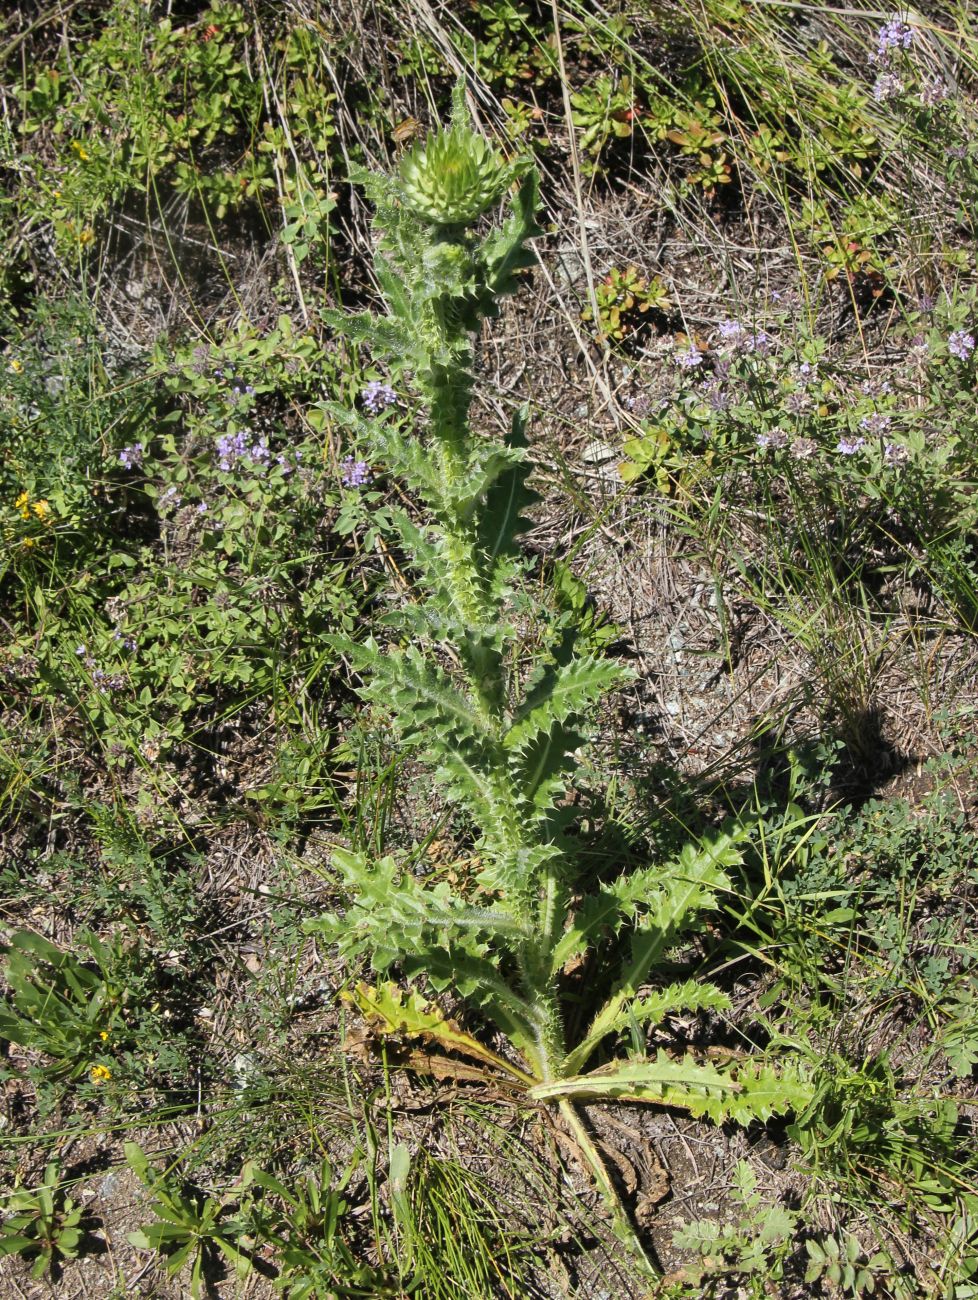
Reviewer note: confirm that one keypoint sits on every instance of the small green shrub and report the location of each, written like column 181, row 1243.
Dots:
column 623, row 298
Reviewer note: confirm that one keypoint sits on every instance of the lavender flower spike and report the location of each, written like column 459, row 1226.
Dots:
column 961, row 344
column 377, row 397
column 356, row 473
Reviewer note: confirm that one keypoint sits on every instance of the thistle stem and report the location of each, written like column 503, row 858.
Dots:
column 621, row 1221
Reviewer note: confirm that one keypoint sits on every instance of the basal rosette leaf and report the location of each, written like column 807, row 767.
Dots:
column 390, row 1010
column 743, row 1090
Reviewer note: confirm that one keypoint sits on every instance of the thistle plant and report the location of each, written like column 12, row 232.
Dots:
column 501, row 734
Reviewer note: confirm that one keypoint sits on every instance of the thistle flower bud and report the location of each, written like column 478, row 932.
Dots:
column 453, row 177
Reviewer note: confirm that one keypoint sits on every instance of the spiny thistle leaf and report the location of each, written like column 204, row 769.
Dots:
column 691, row 995
column 744, row 1091
column 504, row 252
column 487, row 464
column 588, row 927
column 501, row 520
column 382, row 334
column 519, row 870
column 485, row 792
column 417, row 691
column 540, row 767
column 670, row 906
column 567, row 691
column 391, row 1011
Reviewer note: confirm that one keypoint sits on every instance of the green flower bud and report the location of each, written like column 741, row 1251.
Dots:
column 453, row 177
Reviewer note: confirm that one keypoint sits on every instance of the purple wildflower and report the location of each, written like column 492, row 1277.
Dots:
column 876, row 424
column 894, row 453
column 773, row 439
column 170, row 499
column 759, row 342
column 718, row 399
column 132, row 457
column 803, row 448
column 376, row 397
column 231, row 447
column 797, row 402
column 807, row 373
column 887, row 86
column 239, row 390
column 730, row 331
column 893, row 35
column 259, row 453
column 690, row 359
column 850, row 446
column 961, row 344
column 933, row 92
column 356, row 473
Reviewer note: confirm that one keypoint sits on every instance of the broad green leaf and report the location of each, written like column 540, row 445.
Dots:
column 13, row 1245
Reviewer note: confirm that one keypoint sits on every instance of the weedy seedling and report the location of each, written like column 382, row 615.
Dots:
column 501, row 721
column 44, row 1223
column 188, row 1227
column 307, row 1233
column 58, row 1005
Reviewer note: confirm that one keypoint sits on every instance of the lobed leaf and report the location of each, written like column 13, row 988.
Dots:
column 743, row 1091
column 390, row 1010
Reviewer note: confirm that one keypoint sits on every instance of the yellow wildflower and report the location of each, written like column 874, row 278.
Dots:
column 104, row 1035
column 42, row 510
column 81, row 152
column 100, row 1074
column 15, row 366
column 23, row 505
